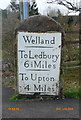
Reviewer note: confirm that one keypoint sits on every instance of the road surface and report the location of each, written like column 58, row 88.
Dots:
column 38, row 109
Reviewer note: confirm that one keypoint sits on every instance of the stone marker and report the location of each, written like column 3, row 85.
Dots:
column 39, row 57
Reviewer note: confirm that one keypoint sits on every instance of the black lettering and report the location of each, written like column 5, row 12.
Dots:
column 26, row 39
column 26, row 64
column 33, row 77
column 21, row 53
column 37, row 64
column 22, row 75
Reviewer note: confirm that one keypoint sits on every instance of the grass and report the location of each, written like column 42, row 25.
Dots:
column 71, row 84
column 18, row 97
column 73, row 94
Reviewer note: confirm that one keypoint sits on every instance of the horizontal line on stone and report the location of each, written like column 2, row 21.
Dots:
column 36, row 70
column 38, row 47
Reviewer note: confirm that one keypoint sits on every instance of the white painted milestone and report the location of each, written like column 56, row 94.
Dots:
column 39, row 56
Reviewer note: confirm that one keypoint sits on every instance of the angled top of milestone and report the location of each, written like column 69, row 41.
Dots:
column 39, row 23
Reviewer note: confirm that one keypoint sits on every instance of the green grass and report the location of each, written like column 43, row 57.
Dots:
column 73, row 94
column 18, row 97
column 71, row 83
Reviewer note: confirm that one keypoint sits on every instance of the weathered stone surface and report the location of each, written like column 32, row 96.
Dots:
column 7, row 65
column 39, row 24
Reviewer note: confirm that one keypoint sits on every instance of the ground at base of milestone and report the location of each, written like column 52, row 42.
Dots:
column 57, row 108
